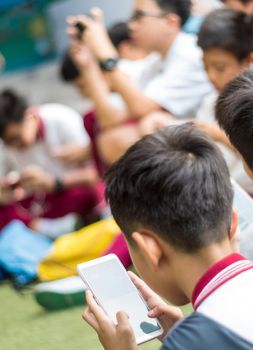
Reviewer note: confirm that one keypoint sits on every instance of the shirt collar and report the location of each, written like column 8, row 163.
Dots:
column 41, row 126
column 41, row 129
column 218, row 274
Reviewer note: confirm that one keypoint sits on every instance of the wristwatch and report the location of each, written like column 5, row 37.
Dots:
column 109, row 64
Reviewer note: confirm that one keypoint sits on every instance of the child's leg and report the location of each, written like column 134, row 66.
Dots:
column 14, row 211
column 81, row 200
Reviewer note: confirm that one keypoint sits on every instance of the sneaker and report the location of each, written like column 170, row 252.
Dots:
column 60, row 294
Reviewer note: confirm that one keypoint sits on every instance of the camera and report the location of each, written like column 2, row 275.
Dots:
column 80, row 28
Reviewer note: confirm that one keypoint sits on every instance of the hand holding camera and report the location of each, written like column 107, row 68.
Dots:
column 93, row 33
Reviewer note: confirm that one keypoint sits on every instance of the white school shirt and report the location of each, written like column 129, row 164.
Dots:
column 60, row 125
column 179, row 82
column 224, row 294
column 138, row 72
column 206, row 113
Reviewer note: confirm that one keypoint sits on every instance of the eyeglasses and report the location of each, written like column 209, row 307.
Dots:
column 138, row 14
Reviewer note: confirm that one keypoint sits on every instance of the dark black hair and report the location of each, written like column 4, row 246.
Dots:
column 119, row 33
column 68, row 69
column 12, row 109
column 180, row 7
column 176, row 183
column 228, row 30
column 234, row 113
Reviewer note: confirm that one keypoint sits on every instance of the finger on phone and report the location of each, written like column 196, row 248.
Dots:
column 122, row 318
column 95, row 309
column 89, row 317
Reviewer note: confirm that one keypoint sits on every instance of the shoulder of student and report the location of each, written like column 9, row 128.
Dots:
column 198, row 332
column 65, row 122
column 206, row 111
column 185, row 47
column 58, row 113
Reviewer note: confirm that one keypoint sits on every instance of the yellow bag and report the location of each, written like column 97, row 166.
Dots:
column 77, row 247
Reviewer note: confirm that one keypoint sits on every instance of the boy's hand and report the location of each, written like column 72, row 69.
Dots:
column 81, row 55
column 153, row 122
column 112, row 337
column 8, row 194
column 95, row 34
column 166, row 314
column 35, row 179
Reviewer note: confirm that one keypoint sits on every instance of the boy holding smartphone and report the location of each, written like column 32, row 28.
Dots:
column 171, row 195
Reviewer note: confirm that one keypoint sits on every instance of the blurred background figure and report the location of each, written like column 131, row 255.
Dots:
column 200, row 9
column 121, row 38
column 34, row 183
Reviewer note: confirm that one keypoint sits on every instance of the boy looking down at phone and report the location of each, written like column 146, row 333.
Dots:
column 172, row 197
column 42, row 185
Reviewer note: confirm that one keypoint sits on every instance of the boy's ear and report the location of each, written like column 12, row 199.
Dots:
column 234, row 224
column 29, row 115
column 149, row 246
column 173, row 20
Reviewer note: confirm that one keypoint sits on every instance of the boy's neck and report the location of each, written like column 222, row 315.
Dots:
column 197, row 265
column 167, row 45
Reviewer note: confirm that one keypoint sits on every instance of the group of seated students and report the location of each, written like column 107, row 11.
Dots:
column 169, row 190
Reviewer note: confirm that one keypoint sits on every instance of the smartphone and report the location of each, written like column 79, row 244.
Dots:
column 114, row 291
column 80, row 30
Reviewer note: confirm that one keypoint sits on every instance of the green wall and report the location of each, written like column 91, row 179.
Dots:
column 25, row 38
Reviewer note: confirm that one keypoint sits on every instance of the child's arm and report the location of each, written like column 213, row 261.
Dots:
column 72, row 154
column 166, row 314
column 215, row 132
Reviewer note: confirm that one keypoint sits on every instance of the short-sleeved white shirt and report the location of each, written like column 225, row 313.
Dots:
column 61, row 126
column 177, row 83
column 206, row 113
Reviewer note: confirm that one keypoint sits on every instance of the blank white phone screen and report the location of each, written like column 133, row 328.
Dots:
column 115, row 292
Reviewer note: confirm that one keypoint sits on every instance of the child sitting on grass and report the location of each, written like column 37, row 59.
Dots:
column 172, row 197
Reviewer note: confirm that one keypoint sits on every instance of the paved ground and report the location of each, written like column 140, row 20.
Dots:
column 43, row 85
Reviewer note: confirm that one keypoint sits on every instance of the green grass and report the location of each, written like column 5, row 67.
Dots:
column 24, row 325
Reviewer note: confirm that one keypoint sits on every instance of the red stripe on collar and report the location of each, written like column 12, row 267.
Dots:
column 34, row 110
column 41, row 129
column 217, row 275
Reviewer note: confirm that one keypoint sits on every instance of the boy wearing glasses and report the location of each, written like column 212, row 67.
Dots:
column 173, row 79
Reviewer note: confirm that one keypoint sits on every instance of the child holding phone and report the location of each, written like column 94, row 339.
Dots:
column 172, row 197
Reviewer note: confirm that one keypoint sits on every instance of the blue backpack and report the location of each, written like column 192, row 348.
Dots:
column 21, row 250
